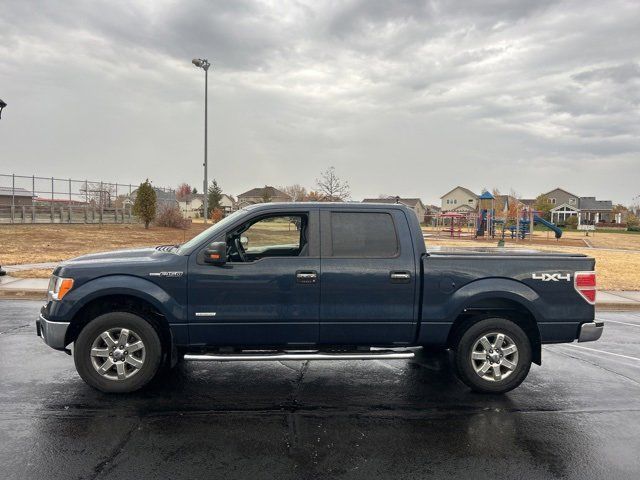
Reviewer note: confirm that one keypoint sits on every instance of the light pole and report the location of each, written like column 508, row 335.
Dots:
column 204, row 64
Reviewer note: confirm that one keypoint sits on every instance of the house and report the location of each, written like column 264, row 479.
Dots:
column 15, row 196
column 228, row 203
column 587, row 209
column 192, row 205
column 262, row 195
column 460, row 200
column 414, row 204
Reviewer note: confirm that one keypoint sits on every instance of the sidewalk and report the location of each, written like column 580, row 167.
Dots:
column 36, row 289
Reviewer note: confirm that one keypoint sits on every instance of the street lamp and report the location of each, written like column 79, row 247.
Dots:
column 204, row 64
column 2, row 105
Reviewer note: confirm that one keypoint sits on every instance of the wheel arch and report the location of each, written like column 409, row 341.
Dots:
column 122, row 302
column 502, row 306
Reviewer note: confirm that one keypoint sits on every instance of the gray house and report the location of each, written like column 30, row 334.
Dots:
column 587, row 209
column 260, row 195
column 15, row 196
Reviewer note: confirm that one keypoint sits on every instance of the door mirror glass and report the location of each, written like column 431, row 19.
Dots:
column 216, row 253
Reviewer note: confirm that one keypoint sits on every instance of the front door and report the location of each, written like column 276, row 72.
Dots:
column 368, row 278
column 268, row 293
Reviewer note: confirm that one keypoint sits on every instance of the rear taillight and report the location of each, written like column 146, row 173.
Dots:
column 585, row 285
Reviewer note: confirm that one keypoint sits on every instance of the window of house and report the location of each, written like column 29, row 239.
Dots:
column 552, row 200
column 471, row 200
column 455, row 200
column 572, row 201
column 363, row 235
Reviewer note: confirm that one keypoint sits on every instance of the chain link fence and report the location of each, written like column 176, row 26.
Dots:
column 34, row 199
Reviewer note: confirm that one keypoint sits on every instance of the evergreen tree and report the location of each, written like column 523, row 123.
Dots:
column 214, row 196
column 145, row 205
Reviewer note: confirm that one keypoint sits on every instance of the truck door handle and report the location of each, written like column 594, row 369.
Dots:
column 400, row 277
column 306, row 276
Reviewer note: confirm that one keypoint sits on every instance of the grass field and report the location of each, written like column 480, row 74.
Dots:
column 617, row 254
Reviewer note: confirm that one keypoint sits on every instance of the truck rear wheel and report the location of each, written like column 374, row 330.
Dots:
column 493, row 356
column 118, row 352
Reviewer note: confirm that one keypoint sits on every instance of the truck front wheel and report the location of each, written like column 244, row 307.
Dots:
column 493, row 356
column 118, row 352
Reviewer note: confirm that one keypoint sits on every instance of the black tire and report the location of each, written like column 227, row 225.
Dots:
column 470, row 341
column 141, row 330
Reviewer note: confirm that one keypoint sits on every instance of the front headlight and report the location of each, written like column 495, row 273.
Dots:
column 58, row 287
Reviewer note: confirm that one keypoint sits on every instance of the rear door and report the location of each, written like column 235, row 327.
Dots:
column 368, row 278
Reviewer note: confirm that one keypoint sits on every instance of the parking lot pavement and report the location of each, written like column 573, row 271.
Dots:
column 576, row 416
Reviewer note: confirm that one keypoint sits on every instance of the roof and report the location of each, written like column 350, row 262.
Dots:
column 260, row 192
column 528, row 201
column 486, row 196
column 15, row 192
column 558, row 188
column 409, row 202
column 466, row 190
column 590, row 203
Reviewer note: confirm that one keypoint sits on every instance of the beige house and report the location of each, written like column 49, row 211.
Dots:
column 192, row 205
column 228, row 203
column 414, row 204
column 459, row 199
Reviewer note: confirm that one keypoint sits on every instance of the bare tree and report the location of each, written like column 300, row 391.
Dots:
column 296, row 191
column 331, row 187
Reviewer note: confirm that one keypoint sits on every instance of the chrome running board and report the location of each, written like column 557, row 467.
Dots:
column 268, row 357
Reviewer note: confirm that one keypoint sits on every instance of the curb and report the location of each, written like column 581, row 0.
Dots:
column 23, row 295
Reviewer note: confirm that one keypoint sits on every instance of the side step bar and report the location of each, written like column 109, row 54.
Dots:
column 268, row 357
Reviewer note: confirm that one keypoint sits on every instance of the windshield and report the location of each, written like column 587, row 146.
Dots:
column 202, row 236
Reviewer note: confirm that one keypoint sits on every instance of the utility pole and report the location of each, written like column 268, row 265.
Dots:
column 204, row 64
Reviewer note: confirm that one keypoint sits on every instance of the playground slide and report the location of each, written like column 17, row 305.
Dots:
column 549, row 225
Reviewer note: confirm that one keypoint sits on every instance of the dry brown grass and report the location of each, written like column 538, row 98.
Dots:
column 21, row 244
column 36, row 273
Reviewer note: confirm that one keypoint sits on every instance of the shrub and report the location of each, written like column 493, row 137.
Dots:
column 170, row 216
column 633, row 229
column 571, row 222
column 216, row 215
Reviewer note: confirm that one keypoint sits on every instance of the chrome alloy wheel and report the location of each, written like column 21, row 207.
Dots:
column 117, row 354
column 494, row 356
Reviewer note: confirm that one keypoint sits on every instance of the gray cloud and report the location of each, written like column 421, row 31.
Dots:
column 517, row 94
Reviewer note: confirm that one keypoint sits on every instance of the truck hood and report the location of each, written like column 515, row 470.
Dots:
column 118, row 261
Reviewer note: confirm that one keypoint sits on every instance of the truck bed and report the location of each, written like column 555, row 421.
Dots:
column 498, row 252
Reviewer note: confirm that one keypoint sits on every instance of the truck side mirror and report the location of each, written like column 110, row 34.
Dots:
column 216, row 253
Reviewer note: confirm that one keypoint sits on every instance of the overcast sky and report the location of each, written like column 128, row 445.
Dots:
column 402, row 97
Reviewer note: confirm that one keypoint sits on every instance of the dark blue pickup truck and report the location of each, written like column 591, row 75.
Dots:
column 326, row 281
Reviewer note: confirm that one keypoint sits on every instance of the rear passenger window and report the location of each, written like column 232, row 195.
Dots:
column 363, row 235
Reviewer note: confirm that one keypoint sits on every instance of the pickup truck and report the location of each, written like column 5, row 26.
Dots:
column 305, row 281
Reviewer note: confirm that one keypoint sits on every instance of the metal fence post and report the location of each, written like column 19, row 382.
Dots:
column 101, row 202
column 13, row 196
column 51, row 202
column 33, row 197
column 69, row 200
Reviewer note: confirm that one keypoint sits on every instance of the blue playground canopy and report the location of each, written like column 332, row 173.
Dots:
column 487, row 196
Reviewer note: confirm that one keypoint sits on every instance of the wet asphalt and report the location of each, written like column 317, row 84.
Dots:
column 577, row 416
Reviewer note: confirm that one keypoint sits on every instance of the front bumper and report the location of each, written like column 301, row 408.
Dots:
column 53, row 333
column 591, row 331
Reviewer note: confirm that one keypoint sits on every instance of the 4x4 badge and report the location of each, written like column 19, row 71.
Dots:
column 551, row 277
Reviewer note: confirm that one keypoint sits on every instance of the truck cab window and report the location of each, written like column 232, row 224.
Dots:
column 363, row 235
column 272, row 236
